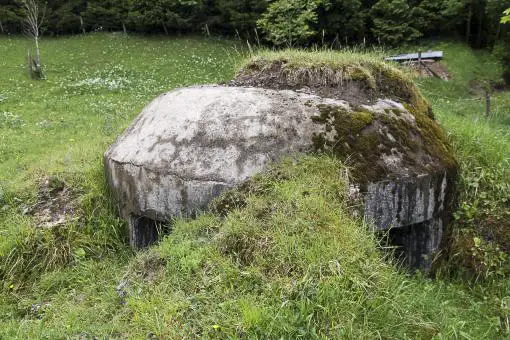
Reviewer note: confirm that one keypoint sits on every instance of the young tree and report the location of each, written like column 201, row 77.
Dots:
column 109, row 15
column 63, row 16
column 34, row 18
column 240, row 15
column 429, row 16
column 506, row 56
column 494, row 8
column 342, row 20
column 171, row 15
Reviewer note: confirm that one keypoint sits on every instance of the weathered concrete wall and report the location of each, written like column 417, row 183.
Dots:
column 414, row 208
column 406, row 201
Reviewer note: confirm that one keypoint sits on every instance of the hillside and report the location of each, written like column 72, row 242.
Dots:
column 483, row 148
column 283, row 258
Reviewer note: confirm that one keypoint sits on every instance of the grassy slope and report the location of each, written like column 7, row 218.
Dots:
column 292, row 262
column 483, row 148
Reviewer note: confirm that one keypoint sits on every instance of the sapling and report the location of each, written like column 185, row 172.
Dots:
column 33, row 20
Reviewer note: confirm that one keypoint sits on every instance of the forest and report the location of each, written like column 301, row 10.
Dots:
column 284, row 23
column 280, row 22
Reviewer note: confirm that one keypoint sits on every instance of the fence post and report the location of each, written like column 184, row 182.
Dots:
column 420, row 65
column 487, row 104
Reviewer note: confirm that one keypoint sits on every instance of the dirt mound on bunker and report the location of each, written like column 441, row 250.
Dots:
column 374, row 128
column 360, row 83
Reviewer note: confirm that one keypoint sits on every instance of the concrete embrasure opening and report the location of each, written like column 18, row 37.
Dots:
column 415, row 245
column 143, row 231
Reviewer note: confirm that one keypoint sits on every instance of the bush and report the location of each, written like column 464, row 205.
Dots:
column 289, row 22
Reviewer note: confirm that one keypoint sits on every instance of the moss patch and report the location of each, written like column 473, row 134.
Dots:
column 434, row 139
column 343, row 137
column 345, row 123
column 369, row 141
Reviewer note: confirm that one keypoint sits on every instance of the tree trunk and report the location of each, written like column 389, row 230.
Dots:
column 498, row 33
column 124, row 28
column 166, row 29
column 1, row 27
column 37, row 52
column 257, row 36
column 481, row 12
column 468, row 24
column 82, row 25
column 38, row 68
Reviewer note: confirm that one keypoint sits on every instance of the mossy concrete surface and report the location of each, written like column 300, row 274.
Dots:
column 189, row 145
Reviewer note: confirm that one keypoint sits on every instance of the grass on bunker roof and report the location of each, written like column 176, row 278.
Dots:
column 318, row 58
column 293, row 262
column 342, row 66
column 336, row 70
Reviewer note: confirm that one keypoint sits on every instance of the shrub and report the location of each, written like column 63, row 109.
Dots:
column 289, row 22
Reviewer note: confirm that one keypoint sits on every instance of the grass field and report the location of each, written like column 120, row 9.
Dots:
column 58, row 128
column 95, row 85
column 307, row 269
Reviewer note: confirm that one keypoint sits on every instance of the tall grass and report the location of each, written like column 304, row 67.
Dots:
column 291, row 263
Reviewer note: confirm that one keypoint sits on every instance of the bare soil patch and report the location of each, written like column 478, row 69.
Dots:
column 56, row 204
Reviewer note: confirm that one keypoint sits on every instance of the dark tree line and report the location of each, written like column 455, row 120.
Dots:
column 281, row 22
column 146, row 16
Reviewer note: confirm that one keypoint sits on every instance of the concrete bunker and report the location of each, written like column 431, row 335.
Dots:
column 189, row 145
